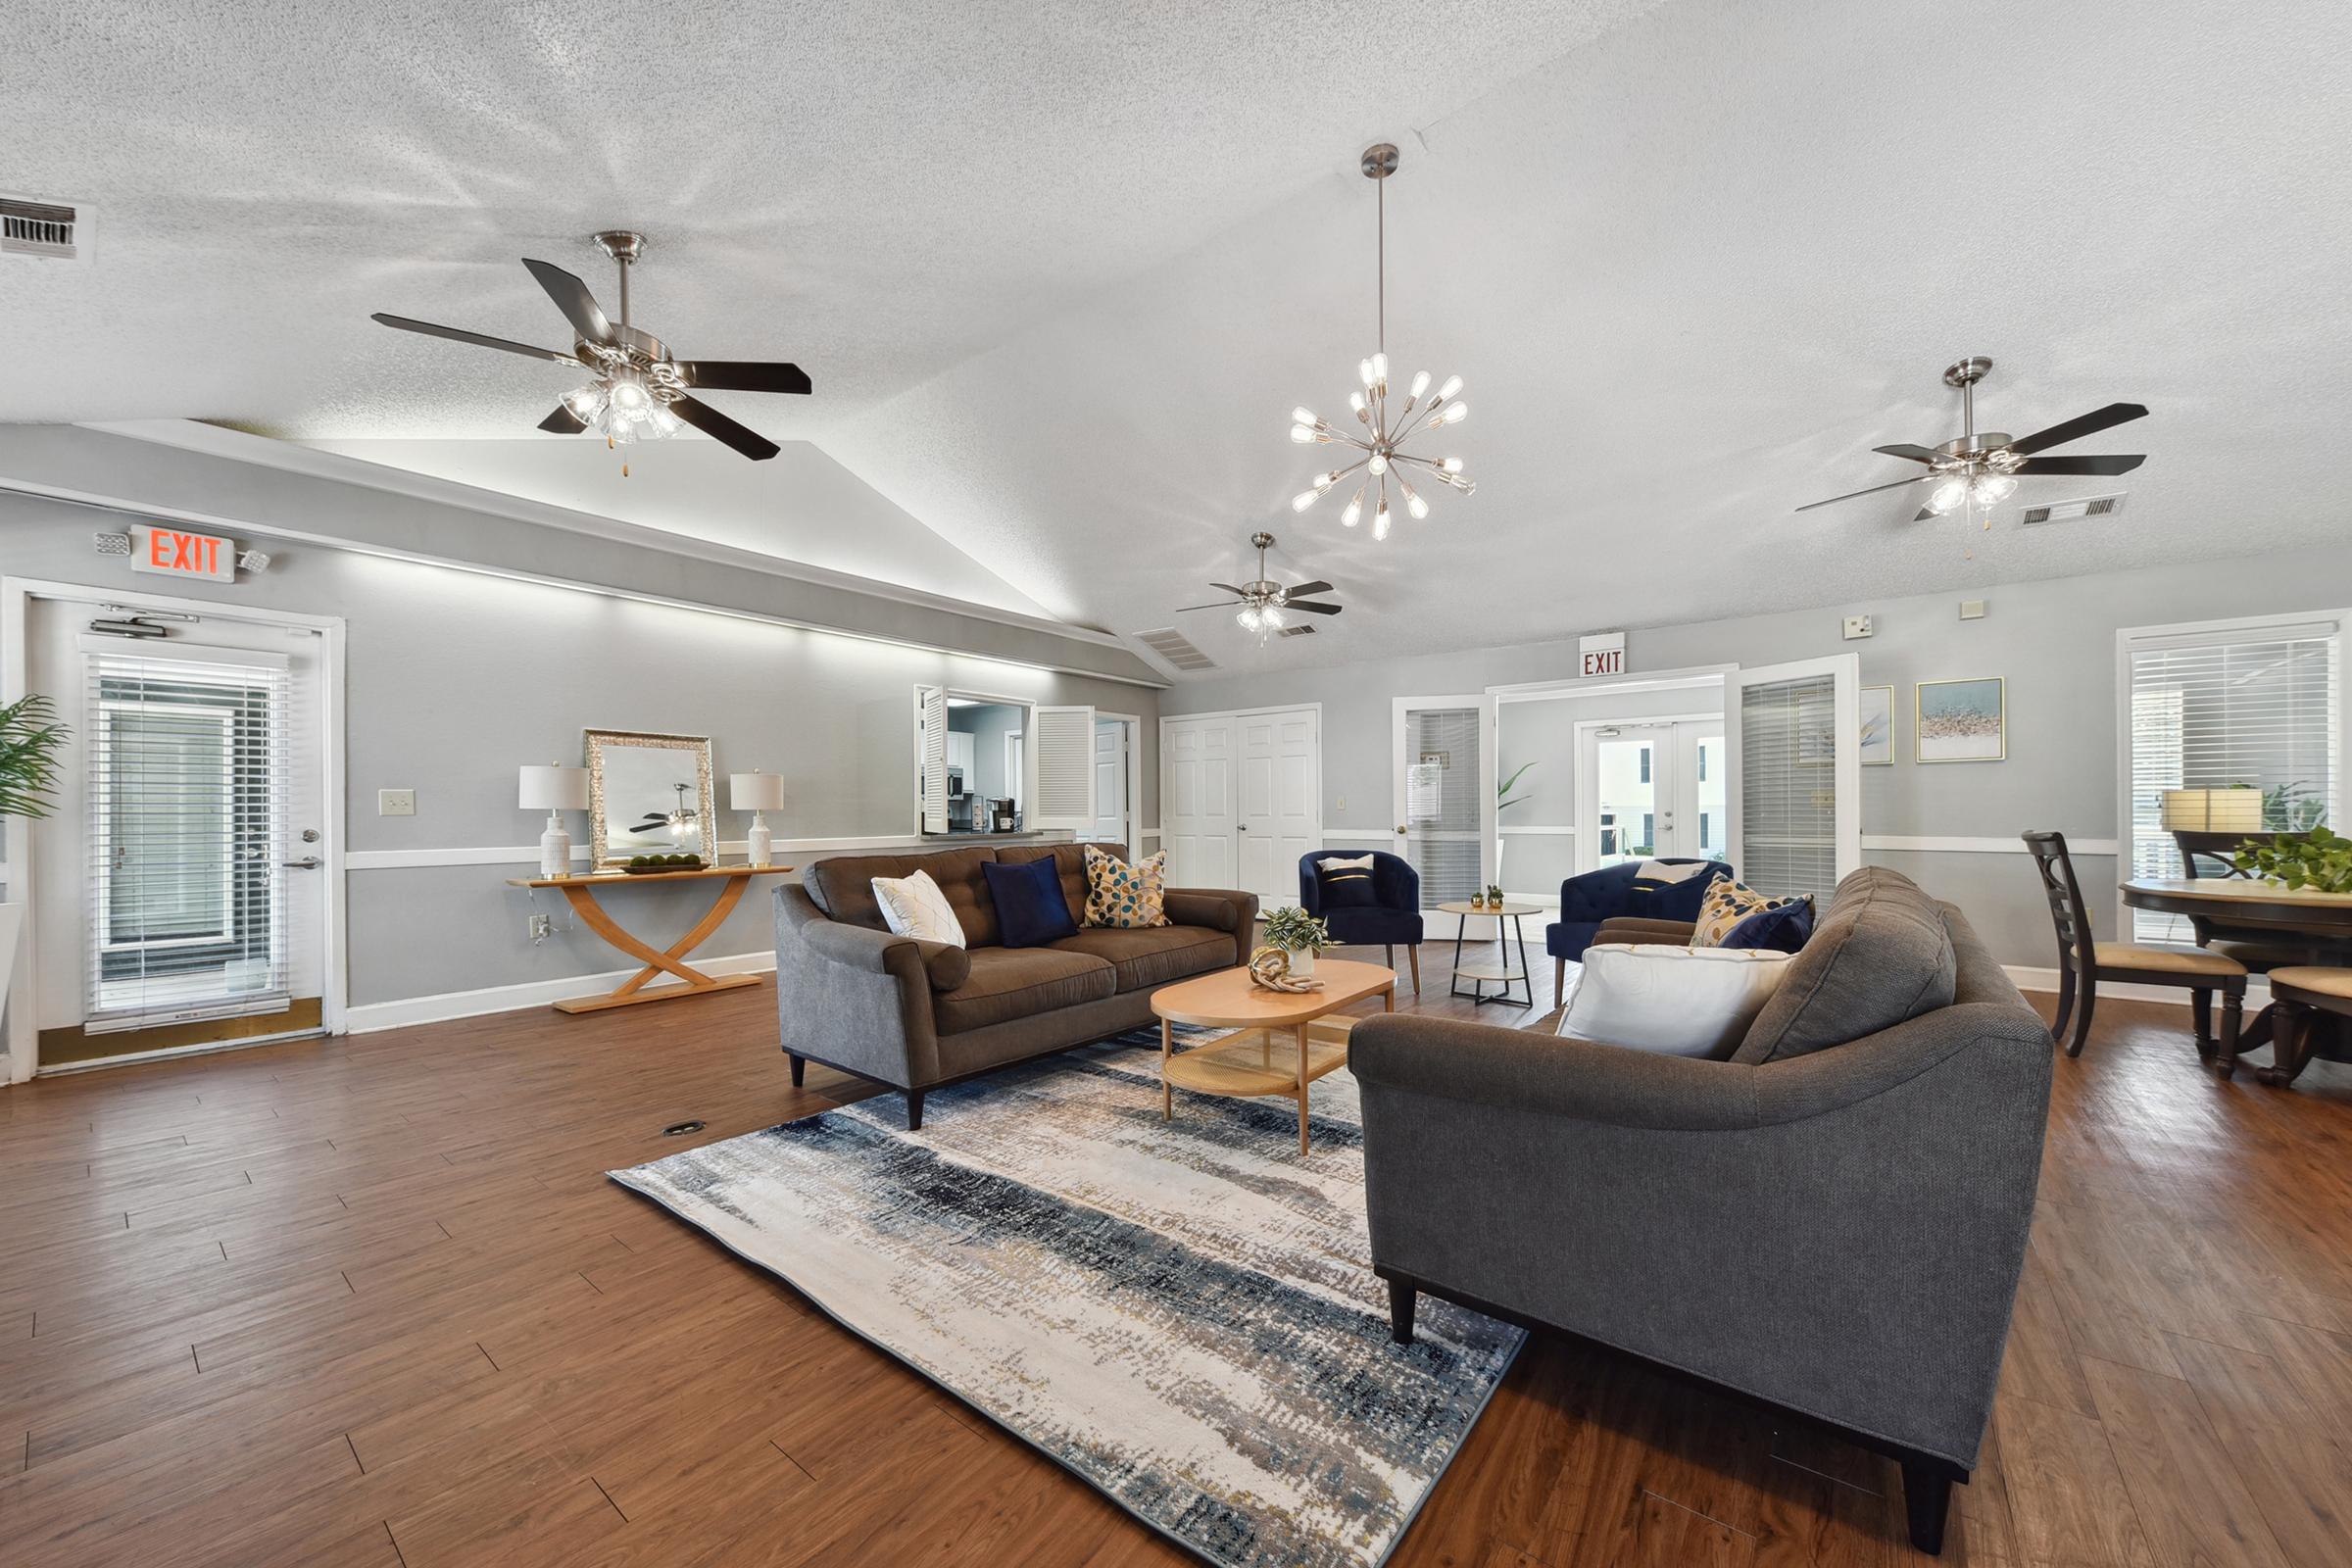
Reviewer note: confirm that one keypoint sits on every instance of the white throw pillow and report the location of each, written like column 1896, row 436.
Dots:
column 1660, row 871
column 914, row 906
column 1678, row 1001
column 1332, row 863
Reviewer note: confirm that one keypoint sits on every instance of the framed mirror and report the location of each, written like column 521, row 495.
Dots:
column 650, row 795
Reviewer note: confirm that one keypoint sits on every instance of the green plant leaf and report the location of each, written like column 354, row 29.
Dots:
column 29, row 741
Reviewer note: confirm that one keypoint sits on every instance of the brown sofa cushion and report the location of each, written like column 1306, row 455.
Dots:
column 1069, row 863
column 1154, row 955
column 1880, row 956
column 844, row 888
column 1007, row 983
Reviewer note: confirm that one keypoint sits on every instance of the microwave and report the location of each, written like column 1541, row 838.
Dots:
column 955, row 781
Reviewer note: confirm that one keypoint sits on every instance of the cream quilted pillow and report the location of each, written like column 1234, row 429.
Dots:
column 914, row 906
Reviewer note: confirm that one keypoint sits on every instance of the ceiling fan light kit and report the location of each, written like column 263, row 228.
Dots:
column 1979, row 470
column 636, row 390
column 1265, row 606
column 1384, row 430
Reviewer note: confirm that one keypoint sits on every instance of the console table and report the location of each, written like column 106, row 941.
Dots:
column 581, row 891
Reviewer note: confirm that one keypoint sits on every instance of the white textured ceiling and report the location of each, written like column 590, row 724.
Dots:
column 1060, row 272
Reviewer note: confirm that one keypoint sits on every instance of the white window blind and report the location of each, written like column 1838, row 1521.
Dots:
column 1788, row 786
column 1445, row 793
column 188, row 762
column 2254, row 706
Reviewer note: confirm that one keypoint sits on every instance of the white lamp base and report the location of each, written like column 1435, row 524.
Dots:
column 762, row 841
column 555, row 849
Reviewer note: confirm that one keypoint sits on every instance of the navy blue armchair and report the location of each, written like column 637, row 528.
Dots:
column 1393, row 920
column 1617, row 892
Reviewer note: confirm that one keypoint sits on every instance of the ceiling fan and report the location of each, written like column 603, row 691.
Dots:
column 1265, row 603
column 1980, row 467
column 636, row 392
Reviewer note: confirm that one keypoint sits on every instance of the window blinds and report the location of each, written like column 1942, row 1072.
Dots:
column 2255, row 705
column 1788, row 786
column 1444, row 791
column 187, row 756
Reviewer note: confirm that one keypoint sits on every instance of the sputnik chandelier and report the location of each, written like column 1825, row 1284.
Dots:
column 1384, row 428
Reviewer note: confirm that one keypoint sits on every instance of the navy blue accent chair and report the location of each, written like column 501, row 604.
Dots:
column 1616, row 891
column 1396, row 920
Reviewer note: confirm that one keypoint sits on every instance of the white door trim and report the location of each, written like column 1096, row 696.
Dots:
column 17, row 595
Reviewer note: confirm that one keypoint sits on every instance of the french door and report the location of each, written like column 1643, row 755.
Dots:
column 1647, row 790
column 1443, row 771
column 1795, row 805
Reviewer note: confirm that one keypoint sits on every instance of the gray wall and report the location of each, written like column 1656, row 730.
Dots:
column 2053, row 640
column 454, row 678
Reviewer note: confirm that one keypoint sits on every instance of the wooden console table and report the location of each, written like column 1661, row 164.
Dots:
column 580, row 892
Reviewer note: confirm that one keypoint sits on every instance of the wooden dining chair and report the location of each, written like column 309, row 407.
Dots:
column 2297, row 997
column 2084, row 962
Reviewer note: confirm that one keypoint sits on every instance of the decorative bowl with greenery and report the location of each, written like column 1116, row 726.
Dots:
column 2319, row 860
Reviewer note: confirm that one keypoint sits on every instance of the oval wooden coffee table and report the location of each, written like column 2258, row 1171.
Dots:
column 1245, row 1065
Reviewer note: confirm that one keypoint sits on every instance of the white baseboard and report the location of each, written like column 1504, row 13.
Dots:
column 2028, row 978
column 370, row 1017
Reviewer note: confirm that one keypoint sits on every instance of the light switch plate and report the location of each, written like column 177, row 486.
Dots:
column 396, row 802
column 1972, row 610
column 1857, row 626
column 1339, row 805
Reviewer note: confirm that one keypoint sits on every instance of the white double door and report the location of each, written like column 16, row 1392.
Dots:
column 1651, row 790
column 1241, row 800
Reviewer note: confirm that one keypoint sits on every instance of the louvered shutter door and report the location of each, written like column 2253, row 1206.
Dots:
column 1062, row 749
column 932, row 756
column 187, row 761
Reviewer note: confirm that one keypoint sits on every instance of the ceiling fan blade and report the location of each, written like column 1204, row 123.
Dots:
column 457, row 334
column 1223, row 603
column 1231, row 589
column 1923, row 514
column 707, row 420
column 1316, row 587
column 1905, row 449
column 744, row 375
column 1311, row 608
column 1916, row 478
column 2074, row 464
column 564, row 422
column 572, row 298
column 2114, row 413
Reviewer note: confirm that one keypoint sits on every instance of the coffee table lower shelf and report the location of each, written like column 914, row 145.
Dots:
column 1254, row 1062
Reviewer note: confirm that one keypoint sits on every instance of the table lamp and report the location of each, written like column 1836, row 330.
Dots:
column 554, row 788
column 755, row 792
column 2229, row 811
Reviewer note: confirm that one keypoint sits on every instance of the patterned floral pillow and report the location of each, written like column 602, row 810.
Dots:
column 1121, row 894
column 1728, row 903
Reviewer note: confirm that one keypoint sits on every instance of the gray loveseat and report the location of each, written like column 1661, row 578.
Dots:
column 1830, row 1223
column 920, row 1015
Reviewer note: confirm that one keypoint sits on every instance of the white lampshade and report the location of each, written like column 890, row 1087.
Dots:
column 552, row 787
column 756, row 791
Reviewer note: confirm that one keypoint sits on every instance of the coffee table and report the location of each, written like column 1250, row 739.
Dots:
column 1479, row 975
column 1245, row 1065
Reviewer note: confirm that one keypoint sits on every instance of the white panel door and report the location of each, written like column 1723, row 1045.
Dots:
column 1197, row 802
column 1110, row 782
column 1793, row 779
column 1280, row 800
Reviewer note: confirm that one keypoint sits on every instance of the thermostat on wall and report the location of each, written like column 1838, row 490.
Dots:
column 1972, row 610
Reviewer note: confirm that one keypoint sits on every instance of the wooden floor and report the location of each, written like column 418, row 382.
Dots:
column 373, row 1301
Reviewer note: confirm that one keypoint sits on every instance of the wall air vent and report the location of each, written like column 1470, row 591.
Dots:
column 1298, row 631
column 2067, row 510
column 43, row 228
column 1173, row 645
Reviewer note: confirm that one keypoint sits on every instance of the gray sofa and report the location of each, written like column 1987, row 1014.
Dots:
column 1830, row 1223
column 920, row 1015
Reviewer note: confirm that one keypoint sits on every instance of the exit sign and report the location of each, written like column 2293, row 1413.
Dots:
column 176, row 552
column 1603, row 654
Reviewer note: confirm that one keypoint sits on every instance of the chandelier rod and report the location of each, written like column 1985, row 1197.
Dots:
column 1380, row 189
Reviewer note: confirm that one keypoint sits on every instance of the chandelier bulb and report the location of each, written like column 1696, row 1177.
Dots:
column 1454, row 413
column 1420, row 383
column 1453, row 384
column 1356, row 509
column 1363, row 370
column 1451, row 464
column 1378, row 463
column 1301, row 415
column 1413, row 502
column 1380, row 370
column 1379, row 520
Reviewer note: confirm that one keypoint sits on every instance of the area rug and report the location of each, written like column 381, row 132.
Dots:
column 1183, row 1313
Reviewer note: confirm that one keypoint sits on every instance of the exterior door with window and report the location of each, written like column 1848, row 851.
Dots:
column 181, row 896
column 1793, row 774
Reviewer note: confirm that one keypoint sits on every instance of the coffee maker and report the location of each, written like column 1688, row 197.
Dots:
column 1004, row 815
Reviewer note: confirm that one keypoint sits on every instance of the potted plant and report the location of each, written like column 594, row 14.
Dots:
column 30, row 742
column 2319, row 860
column 1301, row 934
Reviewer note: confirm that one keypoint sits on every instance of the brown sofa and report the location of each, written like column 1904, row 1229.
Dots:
column 918, row 1014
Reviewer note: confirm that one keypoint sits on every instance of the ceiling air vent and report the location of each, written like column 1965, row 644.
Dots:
column 42, row 228
column 1171, row 645
column 2067, row 510
column 1298, row 631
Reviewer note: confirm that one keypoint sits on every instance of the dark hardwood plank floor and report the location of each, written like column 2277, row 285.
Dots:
column 373, row 1301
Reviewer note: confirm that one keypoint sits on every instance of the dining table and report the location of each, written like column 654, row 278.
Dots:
column 2242, row 908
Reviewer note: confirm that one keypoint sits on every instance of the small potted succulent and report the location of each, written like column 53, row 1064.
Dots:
column 1301, row 934
column 1494, row 895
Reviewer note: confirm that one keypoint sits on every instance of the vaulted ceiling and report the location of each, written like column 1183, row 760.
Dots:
column 1060, row 274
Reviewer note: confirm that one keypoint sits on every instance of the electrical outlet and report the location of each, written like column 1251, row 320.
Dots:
column 1338, row 805
column 543, row 926
column 1857, row 626
column 396, row 802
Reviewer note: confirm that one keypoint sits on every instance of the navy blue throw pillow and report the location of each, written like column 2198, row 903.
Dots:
column 1030, row 907
column 1344, row 887
column 1781, row 929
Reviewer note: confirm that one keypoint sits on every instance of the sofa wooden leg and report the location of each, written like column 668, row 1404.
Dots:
column 1401, row 1299
column 799, row 1070
column 1413, row 953
column 914, row 1111
column 1387, row 956
column 1926, row 1499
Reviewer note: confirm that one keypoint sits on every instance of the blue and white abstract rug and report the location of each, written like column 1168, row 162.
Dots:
column 1183, row 1313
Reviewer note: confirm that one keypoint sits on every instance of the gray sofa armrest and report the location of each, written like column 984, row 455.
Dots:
column 852, row 997
column 1555, row 1075
column 1219, row 910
